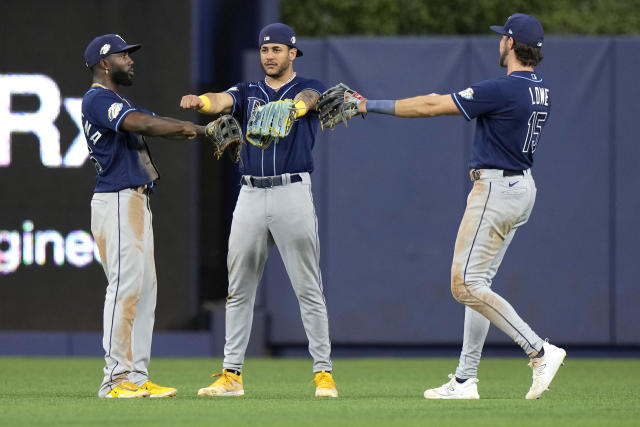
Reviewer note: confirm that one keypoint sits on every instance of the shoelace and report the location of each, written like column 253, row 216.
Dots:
column 537, row 369
column 324, row 380
column 225, row 378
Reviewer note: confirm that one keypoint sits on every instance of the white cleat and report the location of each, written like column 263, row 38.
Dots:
column 454, row 390
column 544, row 369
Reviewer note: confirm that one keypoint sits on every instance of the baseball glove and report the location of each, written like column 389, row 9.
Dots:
column 225, row 133
column 270, row 122
column 338, row 104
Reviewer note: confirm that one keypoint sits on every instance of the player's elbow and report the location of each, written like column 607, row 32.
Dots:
column 426, row 108
column 137, row 122
column 438, row 105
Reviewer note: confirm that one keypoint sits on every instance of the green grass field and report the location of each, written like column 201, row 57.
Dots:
column 279, row 392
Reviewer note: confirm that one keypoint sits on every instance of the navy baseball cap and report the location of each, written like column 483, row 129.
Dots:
column 523, row 28
column 105, row 45
column 278, row 33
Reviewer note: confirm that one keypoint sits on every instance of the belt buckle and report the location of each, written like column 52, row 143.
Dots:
column 269, row 180
column 474, row 174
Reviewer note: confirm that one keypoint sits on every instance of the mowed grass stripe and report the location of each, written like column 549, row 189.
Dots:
column 279, row 392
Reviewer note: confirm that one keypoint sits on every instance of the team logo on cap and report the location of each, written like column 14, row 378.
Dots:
column 114, row 110
column 105, row 48
column 467, row 93
column 266, row 38
column 293, row 40
column 510, row 32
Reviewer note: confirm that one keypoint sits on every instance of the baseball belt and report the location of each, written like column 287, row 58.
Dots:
column 476, row 174
column 269, row 181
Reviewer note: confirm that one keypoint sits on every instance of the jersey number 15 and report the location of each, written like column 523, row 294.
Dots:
column 533, row 132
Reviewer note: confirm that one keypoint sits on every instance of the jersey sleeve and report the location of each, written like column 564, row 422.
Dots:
column 237, row 92
column 144, row 110
column 481, row 98
column 108, row 110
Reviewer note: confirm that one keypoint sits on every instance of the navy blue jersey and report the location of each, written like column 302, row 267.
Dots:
column 121, row 158
column 291, row 154
column 511, row 111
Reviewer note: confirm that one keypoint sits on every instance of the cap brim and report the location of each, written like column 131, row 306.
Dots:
column 498, row 29
column 128, row 48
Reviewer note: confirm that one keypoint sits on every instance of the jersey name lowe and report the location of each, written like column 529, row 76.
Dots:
column 511, row 112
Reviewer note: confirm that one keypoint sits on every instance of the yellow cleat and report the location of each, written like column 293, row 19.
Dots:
column 156, row 390
column 127, row 390
column 325, row 385
column 229, row 384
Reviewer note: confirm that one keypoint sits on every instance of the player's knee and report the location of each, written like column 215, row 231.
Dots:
column 460, row 289
column 457, row 284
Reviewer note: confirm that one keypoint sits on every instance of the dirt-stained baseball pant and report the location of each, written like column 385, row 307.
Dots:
column 121, row 224
column 285, row 216
column 496, row 207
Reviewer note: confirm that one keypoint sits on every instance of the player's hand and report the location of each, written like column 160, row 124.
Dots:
column 362, row 107
column 190, row 130
column 191, row 102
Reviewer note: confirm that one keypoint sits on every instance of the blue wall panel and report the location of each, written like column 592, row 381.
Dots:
column 627, row 195
column 392, row 187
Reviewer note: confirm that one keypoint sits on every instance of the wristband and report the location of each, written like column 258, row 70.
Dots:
column 207, row 104
column 301, row 108
column 381, row 106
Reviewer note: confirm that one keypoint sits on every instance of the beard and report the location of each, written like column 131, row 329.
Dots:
column 122, row 77
column 503, row 59
column 278, row 73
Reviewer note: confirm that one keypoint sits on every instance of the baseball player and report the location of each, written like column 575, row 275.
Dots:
column 511, row 113
column 114, row 128
column 275, row 206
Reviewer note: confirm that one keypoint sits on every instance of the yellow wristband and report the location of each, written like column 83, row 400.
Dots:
column 301, row 108
column 207, row 104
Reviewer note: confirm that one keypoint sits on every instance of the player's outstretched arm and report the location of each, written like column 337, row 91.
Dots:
column 431, row 105
column 208, row 103
column 305, row 101
column 166, row 127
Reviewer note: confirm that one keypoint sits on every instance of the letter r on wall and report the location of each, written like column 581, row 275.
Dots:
column 40, row 122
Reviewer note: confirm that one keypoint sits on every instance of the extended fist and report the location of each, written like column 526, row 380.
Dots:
column 191, row 102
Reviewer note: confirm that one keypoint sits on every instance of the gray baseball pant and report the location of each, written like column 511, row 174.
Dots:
column 285, row 216
column 121, row 224
column 496, row 207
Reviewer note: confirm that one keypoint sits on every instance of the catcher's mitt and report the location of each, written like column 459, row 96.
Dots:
column 338, row 104
column 225, row 133
column 270, row 122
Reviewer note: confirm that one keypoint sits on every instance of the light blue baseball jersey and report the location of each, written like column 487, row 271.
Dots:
column 291, row 154
column 121, row 158
column 511, row 112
